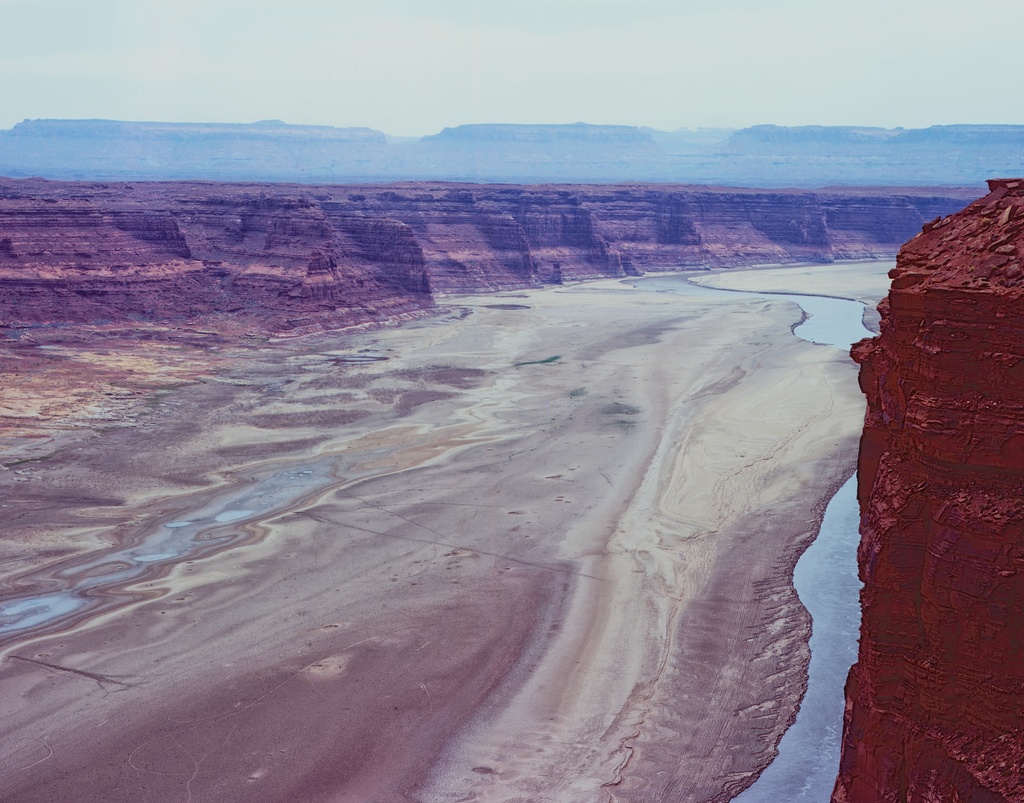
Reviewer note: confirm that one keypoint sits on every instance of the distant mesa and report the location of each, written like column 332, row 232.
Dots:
column 520, row 134
column 271, row 150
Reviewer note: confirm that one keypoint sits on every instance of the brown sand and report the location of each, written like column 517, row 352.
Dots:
column 558, row 581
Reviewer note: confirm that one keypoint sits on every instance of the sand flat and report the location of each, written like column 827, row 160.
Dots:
column 504, row 576
column 867, row 282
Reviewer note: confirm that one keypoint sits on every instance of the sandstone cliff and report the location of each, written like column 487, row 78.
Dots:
column 277, row 256
column 935, row 703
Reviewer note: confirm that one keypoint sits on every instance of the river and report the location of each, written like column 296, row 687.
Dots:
column 826, row 582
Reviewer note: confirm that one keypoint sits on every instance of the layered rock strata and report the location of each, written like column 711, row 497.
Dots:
column 935, row 703
column 281, row 257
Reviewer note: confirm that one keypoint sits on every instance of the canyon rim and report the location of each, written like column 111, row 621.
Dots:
column 536, row 542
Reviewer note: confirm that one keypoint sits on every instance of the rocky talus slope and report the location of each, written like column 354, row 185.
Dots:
column 285, row 257
column 935, row 703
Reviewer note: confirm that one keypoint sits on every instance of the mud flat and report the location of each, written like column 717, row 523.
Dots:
column 864, row 281
column 537, row 548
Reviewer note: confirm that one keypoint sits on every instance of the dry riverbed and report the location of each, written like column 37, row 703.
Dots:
column 538, row 547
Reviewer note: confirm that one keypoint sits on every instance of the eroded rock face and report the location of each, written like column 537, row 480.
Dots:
column 935, row 703
column 286, row 257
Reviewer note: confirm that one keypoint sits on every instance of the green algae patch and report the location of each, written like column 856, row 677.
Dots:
column 545, row 361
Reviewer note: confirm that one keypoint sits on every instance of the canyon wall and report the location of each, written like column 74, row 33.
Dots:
column 935, row 703
column 277, row 257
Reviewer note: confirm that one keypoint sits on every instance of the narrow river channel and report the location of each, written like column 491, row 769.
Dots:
column 826, row 581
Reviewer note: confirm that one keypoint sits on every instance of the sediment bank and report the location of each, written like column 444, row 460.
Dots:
column 564, row 578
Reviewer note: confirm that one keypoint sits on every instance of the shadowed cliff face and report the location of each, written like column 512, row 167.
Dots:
column 287, row 257
column 935, row 704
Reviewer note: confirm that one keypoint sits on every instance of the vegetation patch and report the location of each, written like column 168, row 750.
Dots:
column 545, row 361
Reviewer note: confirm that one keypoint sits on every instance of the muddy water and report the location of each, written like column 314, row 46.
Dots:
column 827, row 584
column 82, row 586
column 78, row 583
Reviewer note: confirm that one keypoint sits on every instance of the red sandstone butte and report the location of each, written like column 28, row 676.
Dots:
column 935, row 702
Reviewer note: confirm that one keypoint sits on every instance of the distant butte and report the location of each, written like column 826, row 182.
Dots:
column 294, row 258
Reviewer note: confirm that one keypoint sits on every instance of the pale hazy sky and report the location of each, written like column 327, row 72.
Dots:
column 412, row 67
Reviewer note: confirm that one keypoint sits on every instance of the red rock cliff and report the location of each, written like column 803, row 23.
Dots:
column 935, row 703
column 278, row 256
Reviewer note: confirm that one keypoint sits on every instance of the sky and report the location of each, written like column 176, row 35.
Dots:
column 413, row 67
